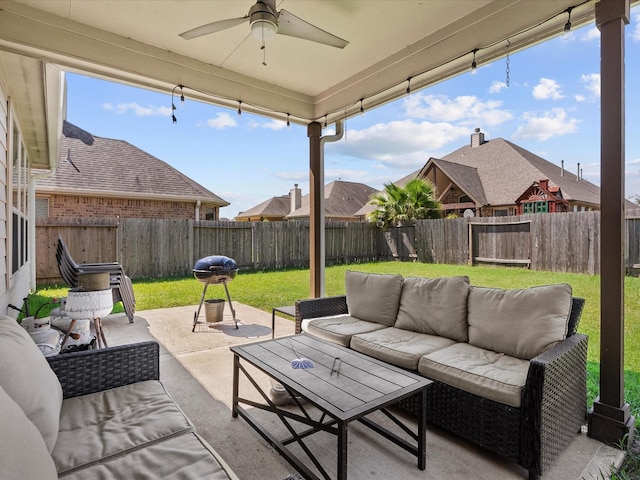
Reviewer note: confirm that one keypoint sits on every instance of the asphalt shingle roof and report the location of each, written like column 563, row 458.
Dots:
column 115, row 167
column 506, row 170
column 274, row 207
column 342, row 199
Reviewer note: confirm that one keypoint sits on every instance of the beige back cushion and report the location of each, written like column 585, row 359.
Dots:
column 27, row 378
column 373, row 297
column 23, row 454
column 435, row 306
column 520, row 323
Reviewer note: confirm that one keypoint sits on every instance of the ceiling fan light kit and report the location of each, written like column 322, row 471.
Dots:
column 263, row 22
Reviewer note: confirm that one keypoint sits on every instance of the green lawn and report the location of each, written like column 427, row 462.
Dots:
column 265, row 290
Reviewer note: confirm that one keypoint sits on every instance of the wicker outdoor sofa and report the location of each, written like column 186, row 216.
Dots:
column 94, row 414
column 528, row 408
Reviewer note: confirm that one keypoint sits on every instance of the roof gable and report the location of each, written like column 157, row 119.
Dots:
column 466, row 177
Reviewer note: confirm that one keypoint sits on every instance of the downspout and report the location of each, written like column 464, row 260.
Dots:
column 198, row 204
column 326, row 139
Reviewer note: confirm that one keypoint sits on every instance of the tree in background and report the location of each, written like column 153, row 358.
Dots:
column 398, row 205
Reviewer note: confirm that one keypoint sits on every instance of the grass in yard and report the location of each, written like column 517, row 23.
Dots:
column 265, row 290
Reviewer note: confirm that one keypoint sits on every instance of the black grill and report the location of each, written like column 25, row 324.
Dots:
column 215, row 269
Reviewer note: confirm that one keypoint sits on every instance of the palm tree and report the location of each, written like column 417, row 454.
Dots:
column 397, row 205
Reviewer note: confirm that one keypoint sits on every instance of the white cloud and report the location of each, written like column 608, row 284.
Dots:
column 496, row 87
column 466, row 110
column 398, row 144
column 547, row 89
column 221, row 120
column 591, row 82
column 632, row 178
column 590, row 35
column 580, row 98
column 138, row 110
column 635, row 34
column 553, row 123
column 275, row 125
column 299, row 176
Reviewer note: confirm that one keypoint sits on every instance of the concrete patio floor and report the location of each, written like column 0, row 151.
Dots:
column 196, row 369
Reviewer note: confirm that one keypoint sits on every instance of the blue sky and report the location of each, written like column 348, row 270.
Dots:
column 551, row 107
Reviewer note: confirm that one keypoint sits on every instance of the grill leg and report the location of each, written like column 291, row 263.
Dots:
column 197, row 314
column 233, row 312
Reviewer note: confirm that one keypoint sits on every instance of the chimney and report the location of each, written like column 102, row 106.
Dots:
column 562, row 168
column 578, row 173
column 477, row 138
column 295, row 196
column 544, row 184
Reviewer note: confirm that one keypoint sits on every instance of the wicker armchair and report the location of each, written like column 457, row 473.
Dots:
column 554, row 403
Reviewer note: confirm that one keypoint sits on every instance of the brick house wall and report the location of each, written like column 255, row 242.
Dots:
column 74, row 206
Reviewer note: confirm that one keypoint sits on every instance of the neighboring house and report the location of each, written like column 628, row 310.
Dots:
column 103, row 177
column 342, row 200
column 273, row 210
column 497, row 178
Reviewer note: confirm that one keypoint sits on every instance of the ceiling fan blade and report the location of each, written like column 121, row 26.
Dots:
column 292, row 26
column 213, row 27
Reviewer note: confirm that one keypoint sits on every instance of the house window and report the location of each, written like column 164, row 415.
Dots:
column 42, row 207
column 535, row 207
column 542, row 207
column 500, row 213
column 20, row 170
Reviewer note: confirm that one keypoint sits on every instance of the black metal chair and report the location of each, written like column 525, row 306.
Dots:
column 120, row 284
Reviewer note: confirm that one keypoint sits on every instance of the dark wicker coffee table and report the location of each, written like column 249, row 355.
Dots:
column 344, row 385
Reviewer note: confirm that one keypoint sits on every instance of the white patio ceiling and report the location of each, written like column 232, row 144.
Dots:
column 138, row 42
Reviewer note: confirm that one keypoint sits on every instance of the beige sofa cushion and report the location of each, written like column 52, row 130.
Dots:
column 520, row 323
column 99, row 426
column 339, row 328
column 23, row 453
column 27, row 378
column 184, row 456
column 373, row 297
column 482, row 372
column 398, row 347
column 435, row 306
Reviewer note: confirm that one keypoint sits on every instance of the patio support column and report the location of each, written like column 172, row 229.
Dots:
column 609, row 420
column 316, row 220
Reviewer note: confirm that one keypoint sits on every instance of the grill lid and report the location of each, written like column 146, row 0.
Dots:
column 215, row 268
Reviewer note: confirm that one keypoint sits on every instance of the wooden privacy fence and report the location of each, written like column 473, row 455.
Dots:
column 156, row 248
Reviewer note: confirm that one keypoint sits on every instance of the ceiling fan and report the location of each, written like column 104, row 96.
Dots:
column 266, row 22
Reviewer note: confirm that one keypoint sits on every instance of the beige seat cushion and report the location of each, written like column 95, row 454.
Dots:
column 102, row 425
column 373, row 297
column 27, row 378
column 184, row 456
column 484, row 373
column 338, row 329
column 520, row 323
column 435, row 306
column 398, row 347
column 23, row 453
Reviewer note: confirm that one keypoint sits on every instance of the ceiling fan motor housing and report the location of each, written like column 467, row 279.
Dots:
column 263, row 21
